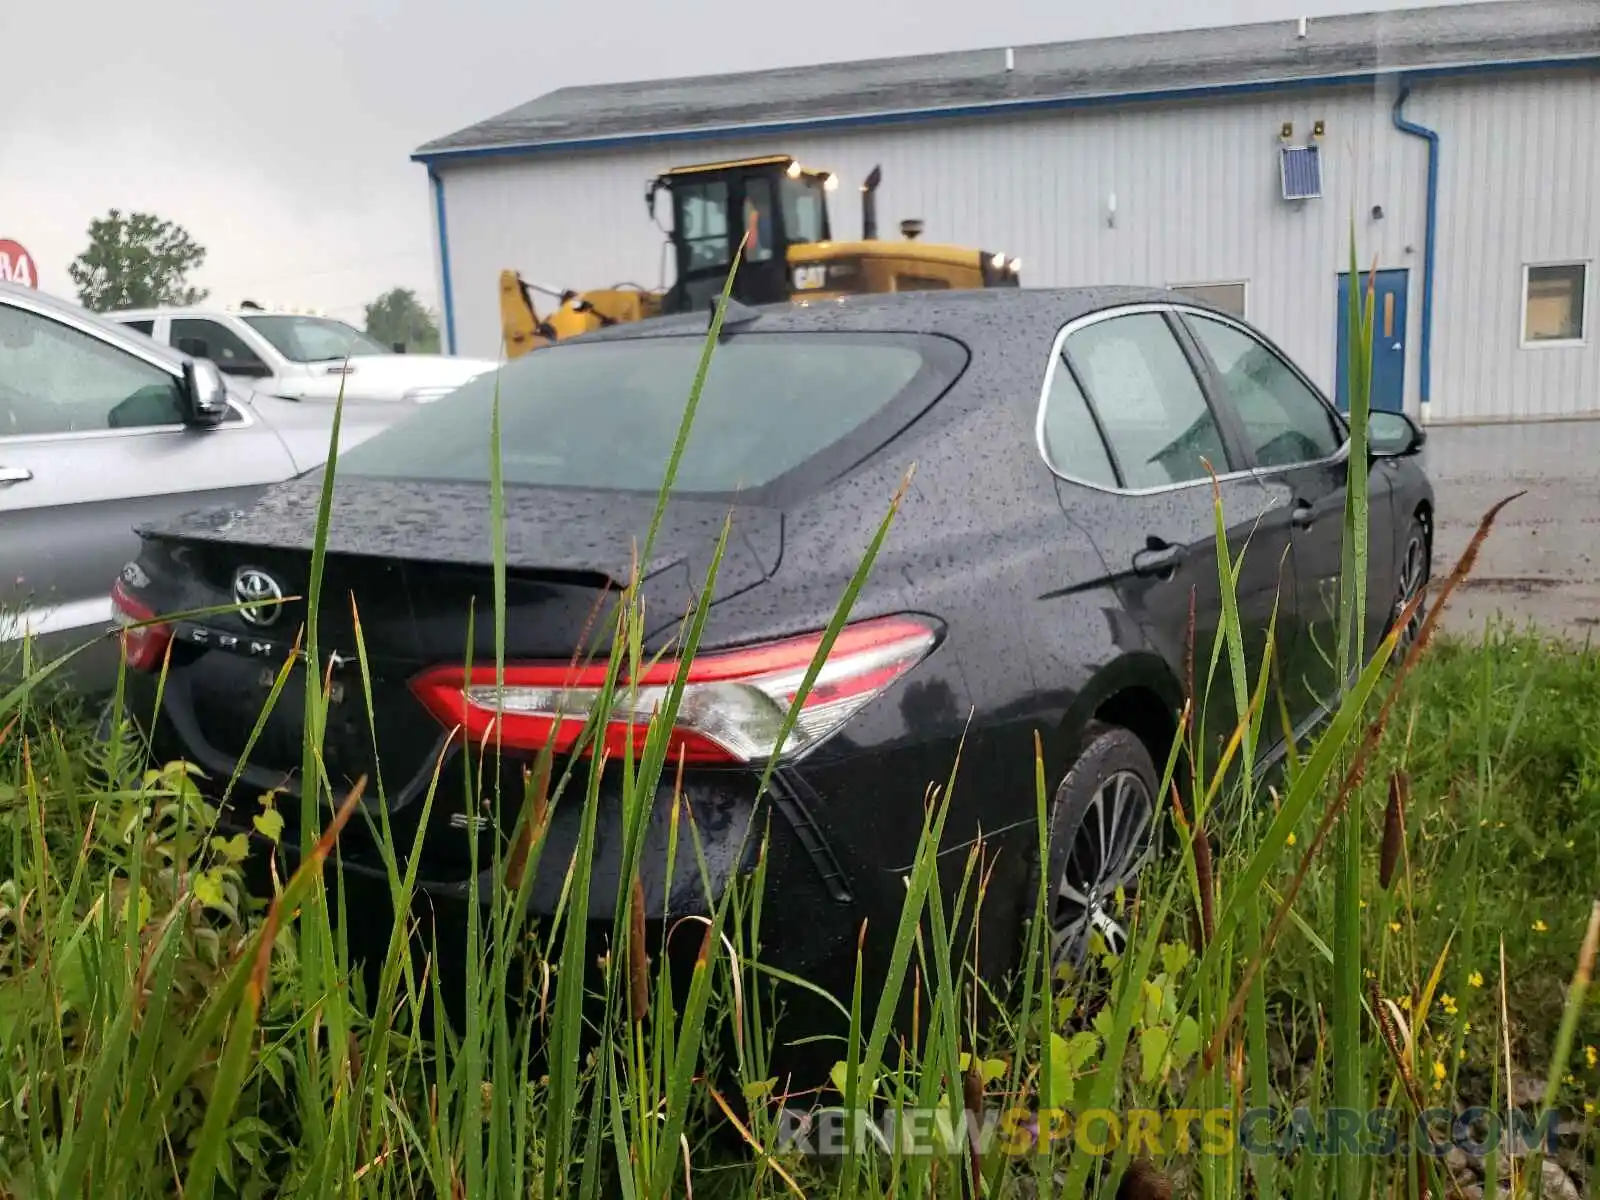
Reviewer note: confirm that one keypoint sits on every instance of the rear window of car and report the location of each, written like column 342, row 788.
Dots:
column 605, row 414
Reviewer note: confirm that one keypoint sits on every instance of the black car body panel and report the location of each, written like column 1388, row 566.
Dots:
column 1046, row 622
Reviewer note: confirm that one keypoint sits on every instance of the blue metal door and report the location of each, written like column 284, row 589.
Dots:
column 1388, row 340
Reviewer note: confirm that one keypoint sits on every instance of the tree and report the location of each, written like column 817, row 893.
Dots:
column 136, row 261
column 398, row 316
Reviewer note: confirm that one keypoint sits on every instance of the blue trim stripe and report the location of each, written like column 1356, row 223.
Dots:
column 446, row 290
column 1428, row 237
column 991, row 109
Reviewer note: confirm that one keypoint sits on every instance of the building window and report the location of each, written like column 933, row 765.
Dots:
column 1229, row 297
column 1554, row 304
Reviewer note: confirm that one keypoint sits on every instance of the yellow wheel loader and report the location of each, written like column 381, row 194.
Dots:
column 780, row 208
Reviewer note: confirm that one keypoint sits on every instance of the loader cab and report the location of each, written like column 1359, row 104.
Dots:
column 775, row 199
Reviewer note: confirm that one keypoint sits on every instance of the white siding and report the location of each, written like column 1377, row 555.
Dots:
column 1519, row 176
column 1197, row 201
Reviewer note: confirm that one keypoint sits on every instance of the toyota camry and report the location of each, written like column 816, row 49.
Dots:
column 1038, row 579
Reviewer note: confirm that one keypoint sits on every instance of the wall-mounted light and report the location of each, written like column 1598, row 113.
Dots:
column 1377, row 212
column 1286, row 130
column 1111, row 211
column 1318, row 128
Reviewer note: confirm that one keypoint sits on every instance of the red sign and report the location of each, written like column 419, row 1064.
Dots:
column 16, row 265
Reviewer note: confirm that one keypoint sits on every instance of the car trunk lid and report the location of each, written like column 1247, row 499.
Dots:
column 409, row 568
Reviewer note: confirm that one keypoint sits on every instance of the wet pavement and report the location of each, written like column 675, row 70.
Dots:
column 1539, row 563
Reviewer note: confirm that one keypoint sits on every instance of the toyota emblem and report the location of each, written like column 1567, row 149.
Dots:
column 258, row 595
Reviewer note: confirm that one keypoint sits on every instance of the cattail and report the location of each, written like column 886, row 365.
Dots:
column 1588, row 951
column 536, row 809
column 972, row 1101
column 638, row 976
column 1394, row 828
column 1398, row 1042
column 1141, row 1181
column 1203, row 875
column 1188, row 668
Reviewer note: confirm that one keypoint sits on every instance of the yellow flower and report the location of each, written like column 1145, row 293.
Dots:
column 1588, row 1107
column 1439, row 1074
column 1394, row 926
column 1291, row 839
column 1475, row 979
column 1462, row 1054
column 1466, row 1027
column 1591, row 1056
column 1448, row 1003
column 1540, row 927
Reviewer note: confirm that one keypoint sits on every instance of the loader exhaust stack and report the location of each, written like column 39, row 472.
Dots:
column 869, row 205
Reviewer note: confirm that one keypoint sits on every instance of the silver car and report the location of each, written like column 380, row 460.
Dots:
column 103, row 429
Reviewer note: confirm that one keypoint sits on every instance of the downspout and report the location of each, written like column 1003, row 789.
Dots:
column 446, row 292
column 1428, row 236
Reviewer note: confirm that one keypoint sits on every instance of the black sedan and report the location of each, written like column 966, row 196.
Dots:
column 1038, row 579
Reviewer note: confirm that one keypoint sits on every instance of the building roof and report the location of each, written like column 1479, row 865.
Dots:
column 1259, row 56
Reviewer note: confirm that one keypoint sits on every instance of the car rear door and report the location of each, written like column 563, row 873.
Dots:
column 1297, row 443
column 92, row 443
column 1129, row 428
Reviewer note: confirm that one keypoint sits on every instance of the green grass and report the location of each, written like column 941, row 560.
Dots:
column 162, row 1033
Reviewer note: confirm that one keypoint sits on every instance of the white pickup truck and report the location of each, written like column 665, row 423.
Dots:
column 297, row 356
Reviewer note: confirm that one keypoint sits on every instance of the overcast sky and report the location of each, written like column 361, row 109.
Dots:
column 279, row 133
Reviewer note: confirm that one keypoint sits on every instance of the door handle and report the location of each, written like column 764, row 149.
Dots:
column 1302, row 515
column 1158, row 559
column 15, row 474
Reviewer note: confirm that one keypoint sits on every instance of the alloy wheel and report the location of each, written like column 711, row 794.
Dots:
column 1413, row 578
column 1111, row 846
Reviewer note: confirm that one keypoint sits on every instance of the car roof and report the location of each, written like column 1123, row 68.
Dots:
column 100, row 324
column 987, row 315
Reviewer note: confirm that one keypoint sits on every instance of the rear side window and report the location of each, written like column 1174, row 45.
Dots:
column 1072, row 444
column 209, row 339
column 1148, row 399
column 144, row 327
column 605, row 414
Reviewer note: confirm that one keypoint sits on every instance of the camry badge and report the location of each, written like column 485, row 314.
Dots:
column 258, row 595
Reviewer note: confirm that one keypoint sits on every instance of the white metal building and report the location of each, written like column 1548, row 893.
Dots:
column 1463, row 141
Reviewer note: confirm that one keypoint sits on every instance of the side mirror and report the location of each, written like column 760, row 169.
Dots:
column 205, row 393
column 1393, row 435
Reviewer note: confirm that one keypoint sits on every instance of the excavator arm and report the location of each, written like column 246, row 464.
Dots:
column 520, row 324
column 523, row 329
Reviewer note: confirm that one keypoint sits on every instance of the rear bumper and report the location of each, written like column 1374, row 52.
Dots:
column 693, row 844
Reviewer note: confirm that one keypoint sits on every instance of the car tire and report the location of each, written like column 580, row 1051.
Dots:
column 1105, row 827
column 1415, row 572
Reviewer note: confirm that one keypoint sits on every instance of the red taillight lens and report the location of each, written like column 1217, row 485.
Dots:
column 145, row 646
column 733, row 704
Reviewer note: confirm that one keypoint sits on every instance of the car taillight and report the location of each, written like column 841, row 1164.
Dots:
column 733, row 705
column 143, row 645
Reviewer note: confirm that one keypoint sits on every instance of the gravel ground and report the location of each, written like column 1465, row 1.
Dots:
column 1539, row 562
